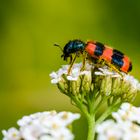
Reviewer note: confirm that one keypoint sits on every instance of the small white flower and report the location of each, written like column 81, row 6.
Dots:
column 55, row 77
column 85, row 73
column 109, row 130
column 134, row 82
column 68, row 117
column 77, row 65
column 125, row 106
column 11, row 134
column 25, row 120
column 46, row 137
column 62, row 134
column 74, row 74
column 32, row 131
column 127, row 112
column 105, row 125
column 98, row 73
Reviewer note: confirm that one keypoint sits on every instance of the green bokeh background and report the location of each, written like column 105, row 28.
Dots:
column 28, row 30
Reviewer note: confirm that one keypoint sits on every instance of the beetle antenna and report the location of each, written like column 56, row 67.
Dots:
column 57, row 45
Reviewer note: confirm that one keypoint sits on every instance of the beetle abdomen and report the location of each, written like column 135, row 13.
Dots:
column 118, row 59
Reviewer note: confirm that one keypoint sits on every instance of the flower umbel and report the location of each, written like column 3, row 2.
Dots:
column 43, row 126
column 125, row 127
column 94, row 87
column 102, row 80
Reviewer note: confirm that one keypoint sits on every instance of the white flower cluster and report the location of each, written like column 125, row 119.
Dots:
column 43, row 126
column 125, row 127
column 93, row 78
column 75, row 72
column 56, row 77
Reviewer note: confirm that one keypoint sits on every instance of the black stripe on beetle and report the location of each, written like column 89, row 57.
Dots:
column 99, row 49
column 117, row 60
column 118, row 53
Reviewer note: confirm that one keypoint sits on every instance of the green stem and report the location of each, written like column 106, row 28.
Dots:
column 90, row 120
column 80, row 105
column 110, row 109
column 96, row 106
column 91, row 127
column 89, row 116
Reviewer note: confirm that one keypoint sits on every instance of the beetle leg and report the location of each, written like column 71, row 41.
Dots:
column 70, row 59
column 72, row 62
column 84, row 61
column 100, row 62
column 113, row 68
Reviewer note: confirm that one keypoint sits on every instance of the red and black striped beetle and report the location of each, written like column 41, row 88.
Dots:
column 99, row 51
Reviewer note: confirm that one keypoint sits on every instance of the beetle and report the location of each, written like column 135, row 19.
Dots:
column 96, row 50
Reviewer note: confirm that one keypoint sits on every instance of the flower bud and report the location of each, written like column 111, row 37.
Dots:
column 106, row 85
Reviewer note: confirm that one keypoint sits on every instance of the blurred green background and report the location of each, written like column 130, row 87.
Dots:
column 28, row 30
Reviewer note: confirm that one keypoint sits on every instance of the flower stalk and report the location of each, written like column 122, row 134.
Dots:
column 109, row 110
column 91, row 127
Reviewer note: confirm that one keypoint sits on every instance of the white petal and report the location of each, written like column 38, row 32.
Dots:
column 53, row 75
